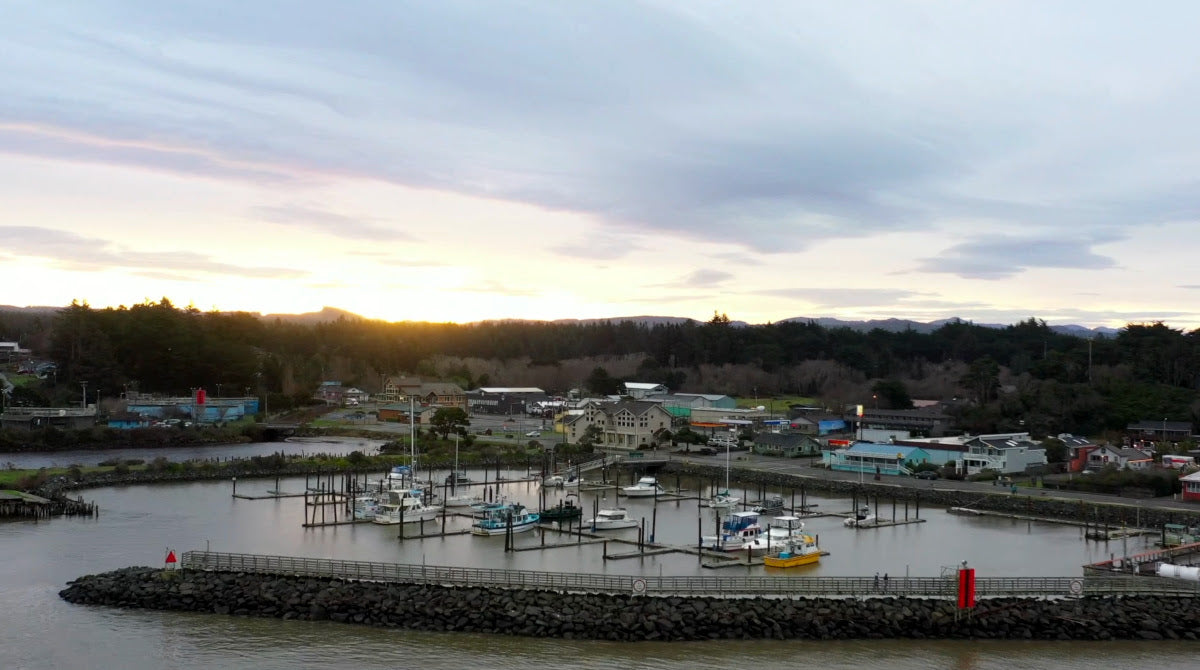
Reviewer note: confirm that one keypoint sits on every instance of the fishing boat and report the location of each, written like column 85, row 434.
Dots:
column 563, row 511
column 611, row 519
column 501, row 518
column 572, row 481
column 736, row 530
column 862, row 517
column 553, row 481
column 798, row 548
column 646, row 487
column 404, row 506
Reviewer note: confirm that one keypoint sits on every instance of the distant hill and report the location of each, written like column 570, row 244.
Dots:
column 900, row 325
column 326, row 315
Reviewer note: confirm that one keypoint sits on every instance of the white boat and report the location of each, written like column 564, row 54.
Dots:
column 463, row 500
column 404, row 506
column 862, row 517
column 611, row 519
column 722, row 500
column 555, row 481
column 572, row 481
column 785, row 529
column 646, row 487
column 736, row 530
column 501, row 518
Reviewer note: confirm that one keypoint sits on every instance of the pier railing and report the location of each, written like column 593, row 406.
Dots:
column 737, row 586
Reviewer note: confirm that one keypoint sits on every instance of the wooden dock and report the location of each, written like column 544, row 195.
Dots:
column 886, row 524
column 269, row 496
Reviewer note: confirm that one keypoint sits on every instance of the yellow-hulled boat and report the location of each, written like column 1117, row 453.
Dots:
column 798, row 550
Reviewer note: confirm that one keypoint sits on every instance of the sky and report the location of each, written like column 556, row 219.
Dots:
column 460, row 161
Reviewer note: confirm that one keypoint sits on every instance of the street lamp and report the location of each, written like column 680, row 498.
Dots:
column 1164, row 432
column 84, row 385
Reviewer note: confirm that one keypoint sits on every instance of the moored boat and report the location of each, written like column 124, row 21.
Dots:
column 563, row 511
column 776, row 535
column 501, row 518
column 646, row 487
column 404, row 506
column 736, row 530
column 722, row 500
column 611, row 519
column 798, row 550
column 863, row 517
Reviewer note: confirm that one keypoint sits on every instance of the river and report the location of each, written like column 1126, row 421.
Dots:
column 137, row 524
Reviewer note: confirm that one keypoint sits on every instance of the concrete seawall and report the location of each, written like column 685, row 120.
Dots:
column 631, row 618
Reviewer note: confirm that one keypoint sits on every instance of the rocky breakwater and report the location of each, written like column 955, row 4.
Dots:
column 630, row 618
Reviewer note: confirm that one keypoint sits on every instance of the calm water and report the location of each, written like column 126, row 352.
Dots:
column 38, row 630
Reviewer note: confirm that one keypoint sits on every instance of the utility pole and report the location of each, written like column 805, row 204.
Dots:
column 84, row 385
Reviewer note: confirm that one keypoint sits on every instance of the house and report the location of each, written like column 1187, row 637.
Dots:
column 1078, row 449
column 397, row 389
column 444, row 394
column 1191, row 486
column 629, row 424
column 786, row 445
column 1120, row 457
column 871, row 458
column 1006, row 454
column 639, row 390
column 1171, row 431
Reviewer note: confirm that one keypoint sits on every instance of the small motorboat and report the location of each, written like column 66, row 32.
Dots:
column 611, row 519
column 862, row 517
column 646, row 487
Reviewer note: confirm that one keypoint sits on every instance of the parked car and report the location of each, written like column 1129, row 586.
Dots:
column 534, row 433
column 927, row 474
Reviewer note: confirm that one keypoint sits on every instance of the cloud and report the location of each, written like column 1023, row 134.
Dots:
column 842, row 297
column 330, row 223
column 75, row 252
column 711, row 122
column 992, row 257
column 702, row 278
column 598, row 248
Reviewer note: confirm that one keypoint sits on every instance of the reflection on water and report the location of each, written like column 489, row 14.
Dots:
column 137, row 523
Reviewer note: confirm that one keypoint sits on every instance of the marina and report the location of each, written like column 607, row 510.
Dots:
column 200, row 515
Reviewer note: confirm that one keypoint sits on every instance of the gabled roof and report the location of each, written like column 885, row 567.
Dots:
column 635, row 407
column 440, row 388
column 643, row 386
column 511, row 389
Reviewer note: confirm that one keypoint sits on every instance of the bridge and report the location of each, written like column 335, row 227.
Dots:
column 658, row 585
column 279, row 431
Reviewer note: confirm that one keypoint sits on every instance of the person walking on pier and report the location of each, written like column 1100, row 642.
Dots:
column 885, row 580
column 876, row 581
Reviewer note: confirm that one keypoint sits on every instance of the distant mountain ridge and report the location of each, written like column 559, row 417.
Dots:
column 329, row 314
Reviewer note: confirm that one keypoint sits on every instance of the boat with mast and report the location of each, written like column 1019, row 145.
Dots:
column 455, row 499
column 723, row 499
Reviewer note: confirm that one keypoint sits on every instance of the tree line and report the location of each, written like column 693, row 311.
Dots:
column 1025, row 374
